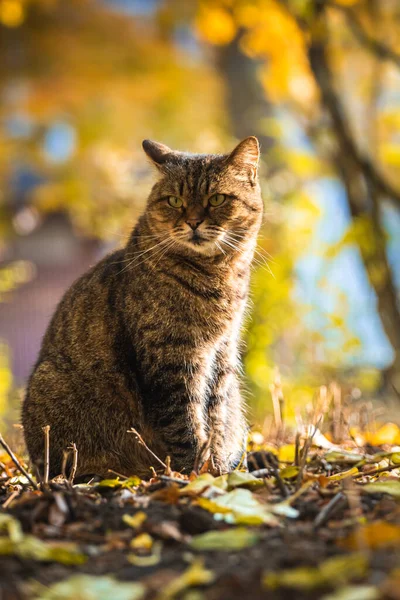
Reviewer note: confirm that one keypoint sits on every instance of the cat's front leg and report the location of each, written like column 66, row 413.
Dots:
column 228, row 429
column 179, row 422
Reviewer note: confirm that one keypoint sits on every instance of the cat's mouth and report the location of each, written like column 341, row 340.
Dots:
column 197, row 239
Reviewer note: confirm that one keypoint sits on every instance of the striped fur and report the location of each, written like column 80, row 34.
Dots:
column 149, row 336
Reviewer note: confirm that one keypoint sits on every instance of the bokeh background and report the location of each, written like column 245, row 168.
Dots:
column 82, row 82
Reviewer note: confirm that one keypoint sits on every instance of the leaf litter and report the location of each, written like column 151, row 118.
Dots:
column 314, row 518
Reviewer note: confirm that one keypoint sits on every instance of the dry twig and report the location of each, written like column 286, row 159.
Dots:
column 141, row 441
column 16, row 462
column 46, row 432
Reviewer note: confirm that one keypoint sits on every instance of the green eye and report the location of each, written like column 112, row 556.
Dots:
column 175, row 202
column 217, row 199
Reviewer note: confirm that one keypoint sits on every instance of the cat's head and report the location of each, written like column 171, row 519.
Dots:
column 205, row 203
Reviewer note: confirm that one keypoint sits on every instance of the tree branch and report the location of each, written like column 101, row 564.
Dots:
column 364, row 163
column 373, row 45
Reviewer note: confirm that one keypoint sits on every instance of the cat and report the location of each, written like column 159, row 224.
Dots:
column 149, row 337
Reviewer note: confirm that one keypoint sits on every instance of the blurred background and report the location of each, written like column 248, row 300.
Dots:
column 82, row 82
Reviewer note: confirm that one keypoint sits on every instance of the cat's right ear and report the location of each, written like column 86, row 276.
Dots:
column 158, row 153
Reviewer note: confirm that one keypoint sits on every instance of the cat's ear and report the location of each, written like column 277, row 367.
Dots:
column 158, row 153
column 245, row 157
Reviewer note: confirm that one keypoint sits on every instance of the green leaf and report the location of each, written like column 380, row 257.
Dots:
column 231, row 539
column 383, row 487
column 89, row 587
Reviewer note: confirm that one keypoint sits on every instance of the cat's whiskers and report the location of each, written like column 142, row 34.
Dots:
column 136, row 258
column 258, row 258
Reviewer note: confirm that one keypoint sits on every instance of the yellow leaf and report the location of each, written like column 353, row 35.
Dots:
column 231, row 539
column 195, row 575
column 387, row 434
column 333, row 571
column 355, row 592
column 136, row 520
column 383, row 487
column 343, row 474
column 215, row 25
column 289, row 472
column 287, row 453
column 242, row 479
column 12, row 13
column 378, row 534
column 143, row 541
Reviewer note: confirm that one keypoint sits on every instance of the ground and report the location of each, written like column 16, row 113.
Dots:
column 314, row 520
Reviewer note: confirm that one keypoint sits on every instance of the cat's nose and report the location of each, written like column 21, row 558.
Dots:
column 194, row 223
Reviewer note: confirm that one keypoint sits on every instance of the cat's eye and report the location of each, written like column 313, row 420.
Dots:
column 217, row 199
column 175, row 202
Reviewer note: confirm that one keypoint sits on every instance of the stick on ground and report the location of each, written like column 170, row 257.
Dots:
column 46, row 432
column 16, row 462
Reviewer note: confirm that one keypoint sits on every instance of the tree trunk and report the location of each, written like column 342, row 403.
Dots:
column 363, row 191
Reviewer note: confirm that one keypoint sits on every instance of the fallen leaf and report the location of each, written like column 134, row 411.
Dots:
column 287, row 453
column 29, row 546
column 389, row 433
column 241, row 479
column 239, row 507
column 148, row 560
column 354, row 592
column 144, row 541
column 289, row 472
column 195, row 575
column 383, row 487
column 343, row 474
column 334, row 571
column 136, row 520
column 198, row 485
column 89, row 587
column 117, row 482
column 228, row 540
column 339, row 457
column 378, row 534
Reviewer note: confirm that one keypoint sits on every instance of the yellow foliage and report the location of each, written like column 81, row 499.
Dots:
column 378, row 534
column 387, row 434
column 215, row 24
column 12, row 13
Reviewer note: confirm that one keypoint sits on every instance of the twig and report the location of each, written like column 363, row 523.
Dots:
column 304, row 453
column 338, row 501
column 297, row 450
column 7, row 503
column 74, row 462
column 17, row 463
column 168, row 470
column 143, row 443
column 372, row 44
column 173, row 480
column 46, row 432
column 117, row 474
column 261, row 473
column 376, row 471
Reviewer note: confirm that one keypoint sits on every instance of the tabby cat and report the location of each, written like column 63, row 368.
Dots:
column 148, row 338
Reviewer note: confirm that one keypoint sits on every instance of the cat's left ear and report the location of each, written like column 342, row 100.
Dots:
column 245, row 157
column 158, row 153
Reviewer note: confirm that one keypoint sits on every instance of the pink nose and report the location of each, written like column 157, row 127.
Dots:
column 194, row 223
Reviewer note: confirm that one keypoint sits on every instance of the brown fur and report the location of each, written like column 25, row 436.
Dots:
column 149, row 336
